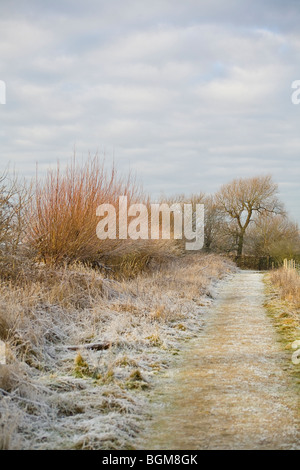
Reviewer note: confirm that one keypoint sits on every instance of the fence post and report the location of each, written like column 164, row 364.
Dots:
column 290, row 264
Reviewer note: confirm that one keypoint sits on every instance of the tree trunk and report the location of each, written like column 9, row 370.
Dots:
column 240, row 245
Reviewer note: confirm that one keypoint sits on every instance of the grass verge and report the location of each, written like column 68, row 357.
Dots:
column 283, row 306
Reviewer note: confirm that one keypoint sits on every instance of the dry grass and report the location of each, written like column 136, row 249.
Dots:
column 283, row 304
column 288, row 282
column 90, row 399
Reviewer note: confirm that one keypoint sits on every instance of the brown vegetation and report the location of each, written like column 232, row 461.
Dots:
column 87, row 398
column 283, row 304
column 241, row 199
column 288, row 283
column 86, row 322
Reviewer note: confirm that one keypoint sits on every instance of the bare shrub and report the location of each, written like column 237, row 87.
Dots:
column 62, row 220
column 14, row 198
column 63, row 217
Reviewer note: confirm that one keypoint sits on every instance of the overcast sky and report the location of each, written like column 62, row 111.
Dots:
column 187, row 94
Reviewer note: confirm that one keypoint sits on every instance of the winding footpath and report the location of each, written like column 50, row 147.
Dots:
column 231, row 389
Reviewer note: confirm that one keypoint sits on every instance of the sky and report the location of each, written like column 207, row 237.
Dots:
column 186, row 95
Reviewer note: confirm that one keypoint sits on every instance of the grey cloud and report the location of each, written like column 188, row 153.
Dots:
column 187, row 94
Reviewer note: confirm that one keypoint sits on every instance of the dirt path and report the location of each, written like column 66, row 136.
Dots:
column 230, row 390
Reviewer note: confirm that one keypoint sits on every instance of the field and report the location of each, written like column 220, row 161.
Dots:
column 90, row 326
column 83, row 349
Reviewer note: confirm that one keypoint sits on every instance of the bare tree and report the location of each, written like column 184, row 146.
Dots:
column 275, row 236
column 216, row 235
column 14, row 197
column 241, row 199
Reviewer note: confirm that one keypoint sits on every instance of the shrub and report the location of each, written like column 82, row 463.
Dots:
column 14, row 198
column 62, row 220
column 63, row 217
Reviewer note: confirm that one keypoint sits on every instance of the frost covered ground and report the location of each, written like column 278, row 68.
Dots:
column 83, row 350
column 231, row 388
